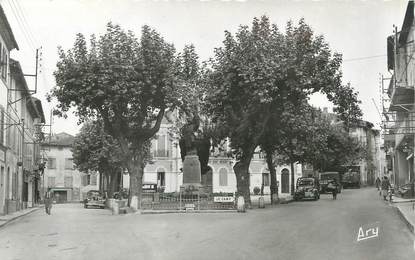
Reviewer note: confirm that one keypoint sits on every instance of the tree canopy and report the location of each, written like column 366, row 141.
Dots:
column 127, row 83
column 257, row 72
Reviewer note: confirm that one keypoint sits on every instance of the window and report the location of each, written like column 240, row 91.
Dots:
column 69, row 164
column 161, row 147
column 51, row 181
column 265, row 179
column 51, row 163
column 86, row 180
column 223, row 177
column 93, row 179
column 161, row 178
column 68, row 181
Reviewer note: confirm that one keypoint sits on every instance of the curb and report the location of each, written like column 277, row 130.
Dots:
column 6, row 222
column 406, row 201
column 407, row 222
column 148, row 212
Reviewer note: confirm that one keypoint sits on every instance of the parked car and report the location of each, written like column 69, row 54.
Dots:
column 94, row 198
column 325, row 178
column 307, row 188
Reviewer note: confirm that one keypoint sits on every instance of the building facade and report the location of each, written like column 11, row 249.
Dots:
column 60, row 176
column 399, row 116
column 21, row 119
column 370, row 167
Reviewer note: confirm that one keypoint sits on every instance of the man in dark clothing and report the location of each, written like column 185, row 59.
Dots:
column 377, row 183
column 332, row 186
column 48, row 200
column 385, row 185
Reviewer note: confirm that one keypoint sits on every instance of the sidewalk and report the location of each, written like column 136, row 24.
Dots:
column 407, row 212
column 396, row 199
column 6, row 219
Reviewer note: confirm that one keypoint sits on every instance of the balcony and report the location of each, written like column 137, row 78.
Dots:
column 402, row 96
column 402, row 99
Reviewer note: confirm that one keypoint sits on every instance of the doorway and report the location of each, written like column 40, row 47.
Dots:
column 285, row 181
column 60, row 196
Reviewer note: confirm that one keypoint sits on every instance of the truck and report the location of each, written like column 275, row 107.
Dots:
column 325, row 177
column 351, row 179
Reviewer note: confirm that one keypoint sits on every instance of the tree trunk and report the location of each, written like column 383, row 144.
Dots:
column 115, row 182
column 241, row 170
column 101, row 187
column 292, row 178
column 243, row 180
column 135, row 170
column 272, row 172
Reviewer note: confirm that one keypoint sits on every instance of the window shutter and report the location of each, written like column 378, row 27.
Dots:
column 93, row 179
column 83, row 180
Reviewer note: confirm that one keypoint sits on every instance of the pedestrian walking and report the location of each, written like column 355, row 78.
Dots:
column 378, row 183
column 332, row 186
column 385, row 186
column 48, row 200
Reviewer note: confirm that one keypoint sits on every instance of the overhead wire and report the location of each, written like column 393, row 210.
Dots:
column 20, row 24
column 24, row 14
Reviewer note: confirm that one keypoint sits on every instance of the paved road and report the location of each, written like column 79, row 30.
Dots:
column 325, row 229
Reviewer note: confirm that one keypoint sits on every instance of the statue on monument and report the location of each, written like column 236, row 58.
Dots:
column 189, row 136
column 195, row 151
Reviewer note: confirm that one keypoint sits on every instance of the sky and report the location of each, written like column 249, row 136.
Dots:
column 355, row 28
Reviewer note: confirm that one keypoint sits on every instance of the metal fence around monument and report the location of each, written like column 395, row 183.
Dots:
column 181, row 201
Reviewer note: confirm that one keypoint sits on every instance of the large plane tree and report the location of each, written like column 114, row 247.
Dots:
column 256, row 72
column 126, row 82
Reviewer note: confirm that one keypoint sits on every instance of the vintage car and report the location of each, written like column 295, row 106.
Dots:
column 94, row 198
column 326, row 178
column 307, row 188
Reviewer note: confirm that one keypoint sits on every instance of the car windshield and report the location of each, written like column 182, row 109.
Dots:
column 94, row 193
column 306, row 182
column 328, row 176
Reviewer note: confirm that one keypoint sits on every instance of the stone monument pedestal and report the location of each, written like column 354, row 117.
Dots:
column 191, row 172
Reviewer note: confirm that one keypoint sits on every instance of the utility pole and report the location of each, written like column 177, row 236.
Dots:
column 36, row 70
column 22, row 165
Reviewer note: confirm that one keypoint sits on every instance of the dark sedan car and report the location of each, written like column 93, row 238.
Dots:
column 307, row 188
column 94, row 198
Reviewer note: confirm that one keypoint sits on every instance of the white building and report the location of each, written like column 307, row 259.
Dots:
column 67, row 183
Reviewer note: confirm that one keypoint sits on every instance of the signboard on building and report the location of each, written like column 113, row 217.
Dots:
column 189, row 207
column 223, row 199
